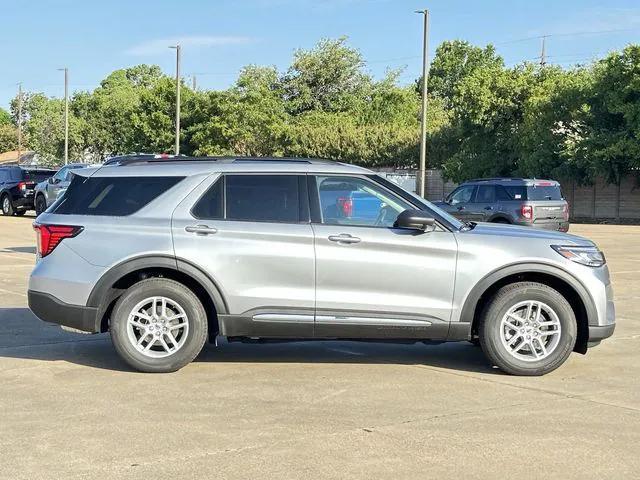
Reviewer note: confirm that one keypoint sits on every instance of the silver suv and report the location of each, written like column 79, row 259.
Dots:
column 165, row 254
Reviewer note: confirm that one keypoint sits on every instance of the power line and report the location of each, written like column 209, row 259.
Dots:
column 567, row 34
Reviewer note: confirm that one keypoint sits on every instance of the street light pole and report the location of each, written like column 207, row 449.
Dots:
column 423, row 125
column 66, row 114
column 177, row 149
column 19, row 121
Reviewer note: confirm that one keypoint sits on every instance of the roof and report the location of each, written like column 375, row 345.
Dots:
column 512, row 181
column 187, row 166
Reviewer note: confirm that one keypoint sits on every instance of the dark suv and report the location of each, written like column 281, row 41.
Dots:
column 17, row 185
column 519, row 201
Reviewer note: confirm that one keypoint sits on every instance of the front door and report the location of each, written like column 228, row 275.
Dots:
column 459, row 201
column 374, row 280
column 250, row 234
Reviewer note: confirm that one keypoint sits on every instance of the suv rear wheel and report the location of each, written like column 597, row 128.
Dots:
column 7, row 208
column 158, row 325
column 528, row 328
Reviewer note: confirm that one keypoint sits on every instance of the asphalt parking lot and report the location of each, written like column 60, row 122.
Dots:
column 69, row 408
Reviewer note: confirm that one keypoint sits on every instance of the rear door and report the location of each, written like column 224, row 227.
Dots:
column 374, row 280
column 250, row 233
column 483, row 205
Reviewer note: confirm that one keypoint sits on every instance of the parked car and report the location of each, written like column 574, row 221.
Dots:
column 17, row 184
column 48, row 191
column 517, row 201
column 165, row 254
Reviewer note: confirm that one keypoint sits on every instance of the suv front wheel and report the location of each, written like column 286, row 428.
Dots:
column 158, row 325
column 528, row 328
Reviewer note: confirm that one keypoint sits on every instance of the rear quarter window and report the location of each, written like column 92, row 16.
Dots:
column 111, row 196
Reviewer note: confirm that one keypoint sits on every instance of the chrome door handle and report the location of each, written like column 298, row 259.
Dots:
column 344, row 238
column 201, row 229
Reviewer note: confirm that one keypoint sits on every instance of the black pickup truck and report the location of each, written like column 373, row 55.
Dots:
column 17, row 184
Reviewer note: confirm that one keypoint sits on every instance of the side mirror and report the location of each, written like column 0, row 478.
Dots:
column 53, row 180
column 415, row 220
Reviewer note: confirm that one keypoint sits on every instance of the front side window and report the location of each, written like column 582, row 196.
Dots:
column 462, row 195
column 357, row 202
column 61, row 174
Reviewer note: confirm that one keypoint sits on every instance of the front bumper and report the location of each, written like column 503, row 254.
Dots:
column 599, row 333
column 51, row 309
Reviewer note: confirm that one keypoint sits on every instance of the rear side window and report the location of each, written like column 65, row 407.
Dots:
column 516, row 192
column 113, row 196
column 4, row 175
column 266, row 198
column 486, row 194
column 255, row 198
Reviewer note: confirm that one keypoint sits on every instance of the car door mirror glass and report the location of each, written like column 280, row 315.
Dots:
column 415, row 220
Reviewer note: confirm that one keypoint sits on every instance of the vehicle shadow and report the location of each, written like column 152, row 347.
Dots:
column 23, row 336
column 26, row 249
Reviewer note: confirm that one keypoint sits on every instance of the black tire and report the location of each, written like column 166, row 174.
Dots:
column 40, row 204
column 176, row 292
column 20, row 213
column 491, row 323
column 501, row 220
column 6, row 206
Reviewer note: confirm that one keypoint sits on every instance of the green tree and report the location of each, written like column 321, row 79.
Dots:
column 328, row 77
column 5, row 117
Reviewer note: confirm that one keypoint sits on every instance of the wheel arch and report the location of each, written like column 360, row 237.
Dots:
column 117, row 279
column 500, row 216
column 568, row 285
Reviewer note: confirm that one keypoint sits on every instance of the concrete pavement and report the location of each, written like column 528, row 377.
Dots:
column 69, row 408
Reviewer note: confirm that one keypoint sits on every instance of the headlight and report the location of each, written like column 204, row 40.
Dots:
column 589, row 256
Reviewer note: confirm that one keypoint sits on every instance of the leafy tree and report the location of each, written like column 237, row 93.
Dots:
column 328, row 77
column 8, row 137
column 5, row 117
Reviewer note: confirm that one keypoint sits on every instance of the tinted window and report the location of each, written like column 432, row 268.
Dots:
column 516, row 192
column 502, row 194
column 210, row 204
column 462, row 195
column 544, row 192
column 4, row 175
column 486, row 194
column 265, row 198
column 358, row 202
column 37, row 175
column 115, row 196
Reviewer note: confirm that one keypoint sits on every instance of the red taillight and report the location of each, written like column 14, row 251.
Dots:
column 527, row 212
column 22, row 186
column 346, row 206
column 49, row 237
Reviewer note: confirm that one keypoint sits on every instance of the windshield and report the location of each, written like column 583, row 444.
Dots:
column 425, row 204
column 544, row 192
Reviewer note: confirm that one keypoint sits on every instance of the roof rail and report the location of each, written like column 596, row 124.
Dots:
column 494, row 179
column 150, row 158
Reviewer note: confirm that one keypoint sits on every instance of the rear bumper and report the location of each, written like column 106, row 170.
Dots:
column 51, row 309
column 556, row 225
column 23, row 203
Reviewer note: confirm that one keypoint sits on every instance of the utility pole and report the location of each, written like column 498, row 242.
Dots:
column 193, row 82
column 66, row 113
column 177, row 48
column 543, row 54
column 19, row 121
column 422, row 174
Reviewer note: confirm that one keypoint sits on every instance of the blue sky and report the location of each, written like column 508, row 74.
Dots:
column 220, row 36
